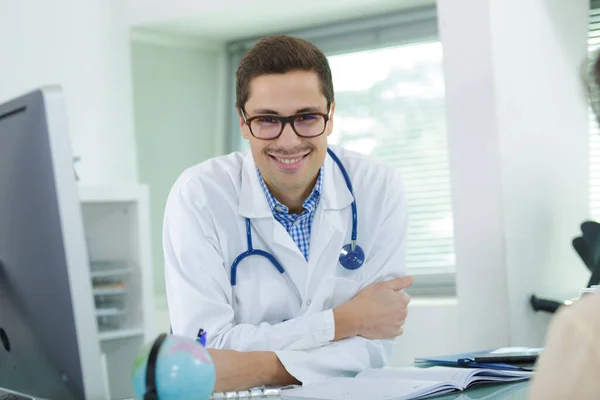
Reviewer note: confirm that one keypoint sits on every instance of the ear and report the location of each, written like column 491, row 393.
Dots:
column 330, row 122
column 243, row 127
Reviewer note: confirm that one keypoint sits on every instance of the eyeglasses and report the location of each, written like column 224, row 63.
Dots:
column 268, row 127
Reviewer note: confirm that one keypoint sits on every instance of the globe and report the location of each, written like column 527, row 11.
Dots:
column 184, row 370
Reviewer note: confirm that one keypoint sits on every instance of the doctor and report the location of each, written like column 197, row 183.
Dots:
column 259, row 249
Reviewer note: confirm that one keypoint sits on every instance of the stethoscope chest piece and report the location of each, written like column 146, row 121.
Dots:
column 352, row 258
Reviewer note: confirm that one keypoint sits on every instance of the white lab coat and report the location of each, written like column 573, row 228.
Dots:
column 204, row 231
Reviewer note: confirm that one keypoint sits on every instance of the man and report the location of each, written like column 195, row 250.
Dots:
column 289, row 198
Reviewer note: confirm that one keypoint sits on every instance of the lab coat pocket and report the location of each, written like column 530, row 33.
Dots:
column 340, row 291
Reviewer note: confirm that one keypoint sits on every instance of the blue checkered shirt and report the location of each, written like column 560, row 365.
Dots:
column 297, row 225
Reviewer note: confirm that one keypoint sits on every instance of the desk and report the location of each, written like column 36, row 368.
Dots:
column 505, row 391
column 502, row 391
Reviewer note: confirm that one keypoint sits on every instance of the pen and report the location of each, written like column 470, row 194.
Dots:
column 201, row 338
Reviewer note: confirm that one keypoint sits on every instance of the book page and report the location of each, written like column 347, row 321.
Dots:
column 460, row 378
column 505, row 350
column 365, row 388
column 457, row 377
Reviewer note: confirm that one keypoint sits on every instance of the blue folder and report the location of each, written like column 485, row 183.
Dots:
column 467, row 360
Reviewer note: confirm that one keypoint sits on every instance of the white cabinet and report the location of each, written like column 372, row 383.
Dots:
column 117, row 230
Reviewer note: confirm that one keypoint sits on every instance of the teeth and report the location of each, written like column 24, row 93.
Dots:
column 287, row 160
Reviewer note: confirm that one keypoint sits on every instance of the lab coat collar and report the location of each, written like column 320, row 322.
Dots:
column 335, row 195
column 254, row 204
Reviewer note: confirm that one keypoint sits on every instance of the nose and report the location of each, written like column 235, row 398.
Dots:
column 288, row 138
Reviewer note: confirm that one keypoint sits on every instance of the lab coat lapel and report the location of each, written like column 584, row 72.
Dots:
column 253, row 204
column 332, row 221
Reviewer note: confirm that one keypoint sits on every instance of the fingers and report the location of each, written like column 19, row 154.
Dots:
column 399, row 283
column 404, row 316
column 406, row 298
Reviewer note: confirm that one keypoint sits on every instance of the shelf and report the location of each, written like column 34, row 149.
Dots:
column 116, row 222
column 111, row 194
column 103, row 269
column 109, row 312
column 109, row 291
column 120, row 334
column 110, row 273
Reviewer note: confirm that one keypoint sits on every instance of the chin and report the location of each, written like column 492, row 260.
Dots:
column 287, row 184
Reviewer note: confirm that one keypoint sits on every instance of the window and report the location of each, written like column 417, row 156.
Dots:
column 389, row 88
column 395, row 113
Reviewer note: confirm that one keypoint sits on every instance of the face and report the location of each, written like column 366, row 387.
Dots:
column 290, row 163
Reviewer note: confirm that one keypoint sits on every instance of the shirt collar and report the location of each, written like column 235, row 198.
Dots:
column 309, row 204
column 334, row 194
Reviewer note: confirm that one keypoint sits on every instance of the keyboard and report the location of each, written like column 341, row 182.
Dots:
column 5, row 395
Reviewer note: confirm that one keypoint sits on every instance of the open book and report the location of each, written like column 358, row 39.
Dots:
column 402, row 384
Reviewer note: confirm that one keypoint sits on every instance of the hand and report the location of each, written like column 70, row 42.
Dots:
column 377, row 312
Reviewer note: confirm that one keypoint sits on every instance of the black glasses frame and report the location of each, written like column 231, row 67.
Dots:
column 284, row 121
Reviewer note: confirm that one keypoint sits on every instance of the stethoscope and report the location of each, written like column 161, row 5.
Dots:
column 351, row 257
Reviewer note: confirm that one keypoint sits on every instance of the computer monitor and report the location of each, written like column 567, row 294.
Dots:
column 48, row 337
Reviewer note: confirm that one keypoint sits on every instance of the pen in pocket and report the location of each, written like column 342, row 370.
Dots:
column 201, row 338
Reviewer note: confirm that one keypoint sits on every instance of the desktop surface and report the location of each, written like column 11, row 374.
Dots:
column 501, row 391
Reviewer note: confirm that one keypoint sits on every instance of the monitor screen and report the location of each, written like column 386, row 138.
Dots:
column 40, row 351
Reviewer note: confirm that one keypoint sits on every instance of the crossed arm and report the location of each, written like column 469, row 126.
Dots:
column 377, row 312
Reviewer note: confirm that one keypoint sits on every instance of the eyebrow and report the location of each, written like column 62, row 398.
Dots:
column 268, row 111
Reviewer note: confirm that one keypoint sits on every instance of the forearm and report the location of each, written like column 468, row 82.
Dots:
column 303, row 332
column 237, row 370
column 339, row 359
column 244, row 370
column 345, row 322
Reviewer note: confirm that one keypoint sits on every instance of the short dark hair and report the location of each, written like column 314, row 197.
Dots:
column 593, row 83
column 279, row 54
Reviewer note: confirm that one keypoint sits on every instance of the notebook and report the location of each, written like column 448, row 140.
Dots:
column 402, row 384
column 467, row 360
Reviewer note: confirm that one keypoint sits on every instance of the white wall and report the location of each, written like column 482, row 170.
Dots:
column 430, row 330
column 84, row 47
column 235, row 19
column 518, row 139
column 179, row 112
column 475, row 171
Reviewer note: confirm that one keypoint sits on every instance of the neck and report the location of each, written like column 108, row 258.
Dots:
column 293, row 199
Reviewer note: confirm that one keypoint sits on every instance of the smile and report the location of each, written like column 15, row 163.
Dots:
column 289, row 164
column 288, row 160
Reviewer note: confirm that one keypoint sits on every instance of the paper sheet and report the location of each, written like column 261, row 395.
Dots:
column 361, row 389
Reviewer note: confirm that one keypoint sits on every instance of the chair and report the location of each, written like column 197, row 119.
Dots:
column 587, row 247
